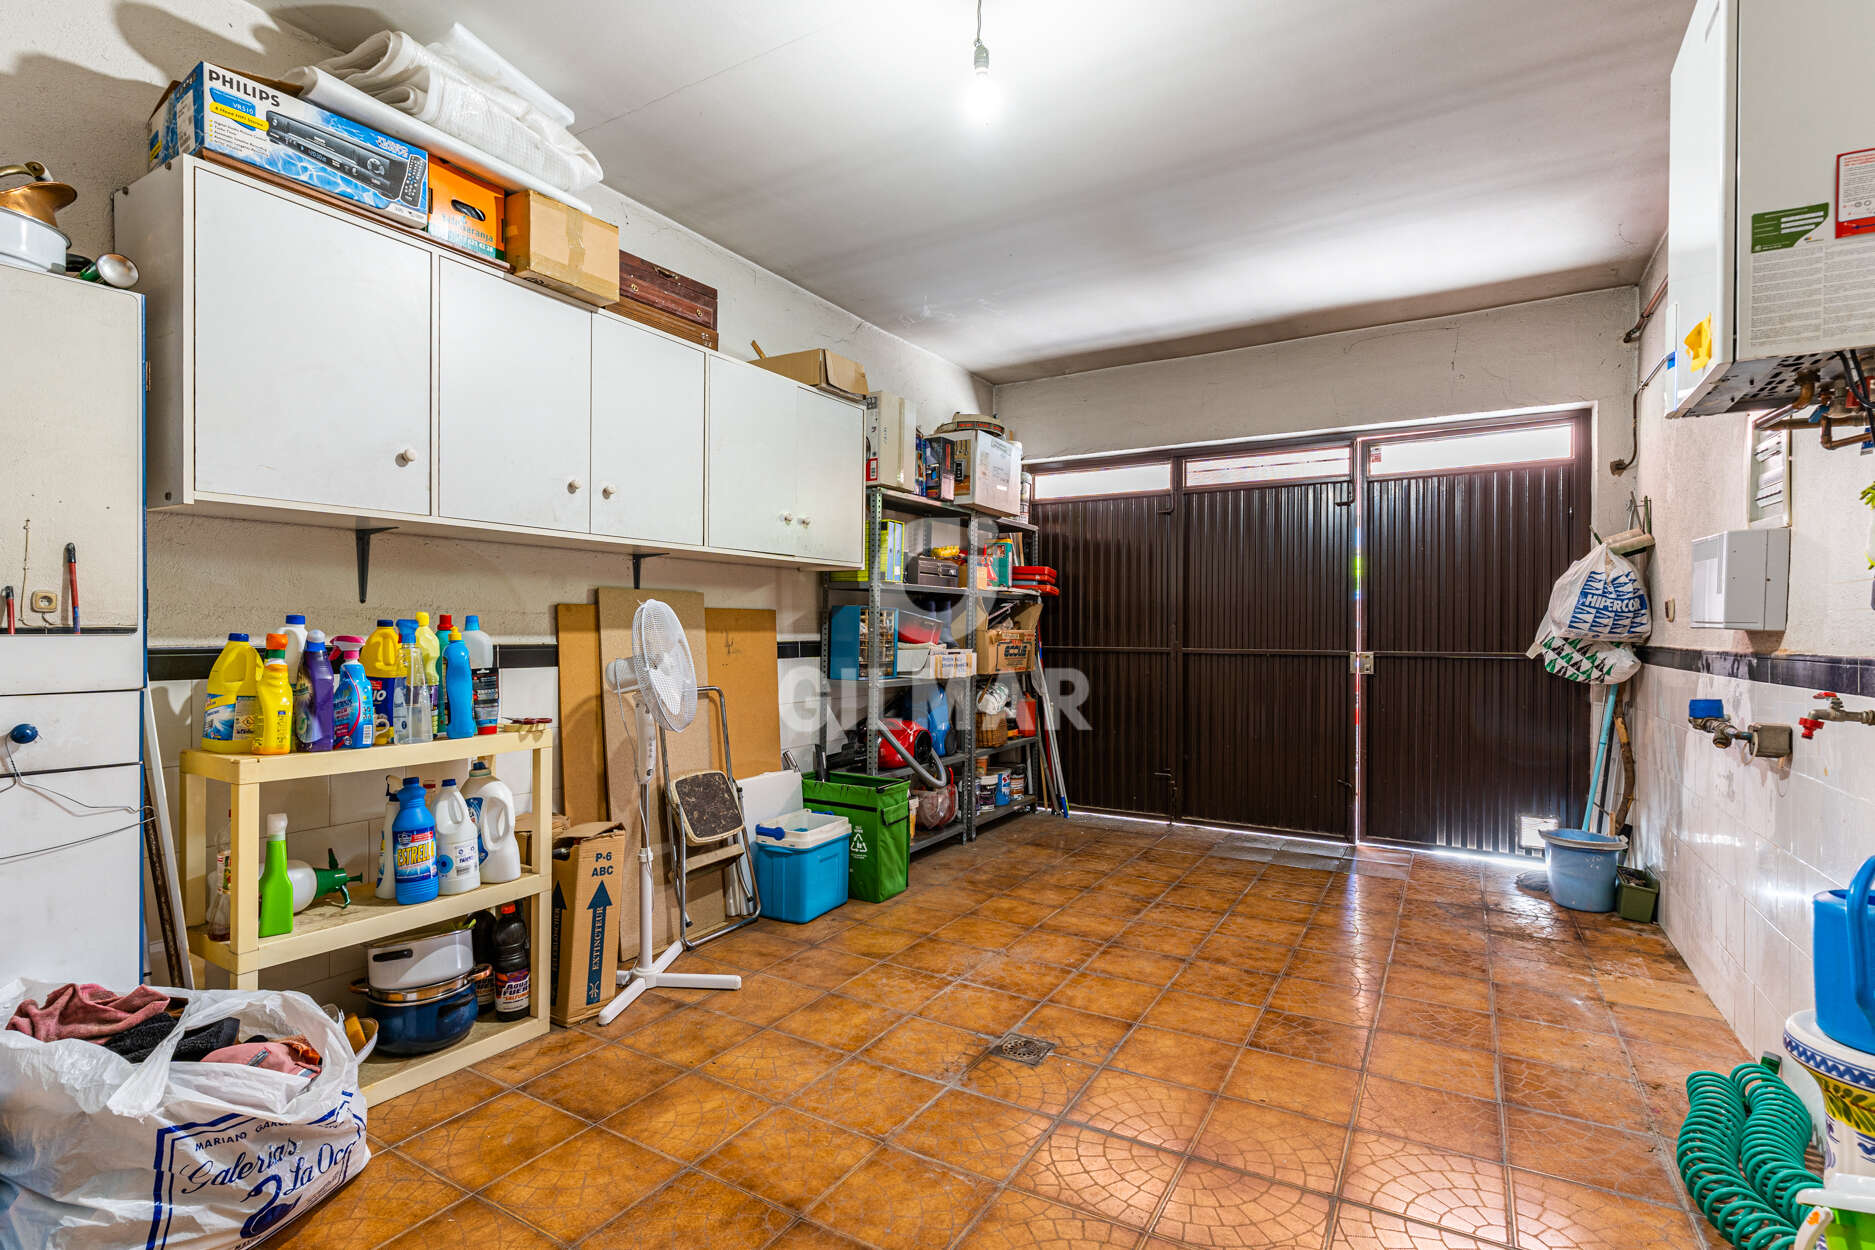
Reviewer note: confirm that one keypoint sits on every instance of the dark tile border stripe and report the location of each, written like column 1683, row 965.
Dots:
column 193, row 663
column 1842, row 674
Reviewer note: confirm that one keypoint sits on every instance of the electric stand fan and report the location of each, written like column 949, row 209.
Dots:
column 664, row 678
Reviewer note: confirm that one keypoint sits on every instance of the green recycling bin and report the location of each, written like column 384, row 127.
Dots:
column 879, row 855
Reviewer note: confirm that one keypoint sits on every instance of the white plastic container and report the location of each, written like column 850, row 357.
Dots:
column 491, row 804
column 803, row 829
column 419, row 959
column 295, row 631
column 485, row 678
column 458, row 859
column 387, row 863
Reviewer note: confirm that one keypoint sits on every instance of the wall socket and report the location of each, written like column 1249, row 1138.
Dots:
column 44, row 601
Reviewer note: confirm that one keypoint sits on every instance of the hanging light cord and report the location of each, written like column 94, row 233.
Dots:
column 979, row 23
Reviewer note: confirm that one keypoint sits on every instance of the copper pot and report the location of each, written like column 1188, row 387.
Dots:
column 40, row 199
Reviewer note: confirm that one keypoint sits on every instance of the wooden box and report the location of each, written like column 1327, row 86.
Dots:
column 670, row 323
column 666, row 290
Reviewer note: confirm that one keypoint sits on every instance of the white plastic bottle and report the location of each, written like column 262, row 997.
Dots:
column 387, row 842
column 485, row 677
column 492, row 804
column 295, row 632
column 457, row 869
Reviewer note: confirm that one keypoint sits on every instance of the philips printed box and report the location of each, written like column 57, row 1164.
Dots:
column 263, row 124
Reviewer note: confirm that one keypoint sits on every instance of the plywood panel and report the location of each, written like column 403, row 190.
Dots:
column 742, row 666
column 582, row 714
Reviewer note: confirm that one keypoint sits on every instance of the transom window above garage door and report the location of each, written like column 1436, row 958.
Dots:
column 1532, row 444
column 1309, row 464
column 1148, row 478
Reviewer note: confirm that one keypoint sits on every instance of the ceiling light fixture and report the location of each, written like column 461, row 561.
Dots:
column 983, row 100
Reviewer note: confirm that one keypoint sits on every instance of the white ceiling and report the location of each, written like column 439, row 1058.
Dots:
column 1165, row 177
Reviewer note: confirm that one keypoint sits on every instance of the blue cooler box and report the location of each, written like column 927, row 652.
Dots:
column 800, row 865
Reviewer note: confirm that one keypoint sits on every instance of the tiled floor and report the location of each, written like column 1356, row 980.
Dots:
column 1259, row 1045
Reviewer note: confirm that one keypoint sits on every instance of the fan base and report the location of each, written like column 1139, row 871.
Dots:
column 635, row 981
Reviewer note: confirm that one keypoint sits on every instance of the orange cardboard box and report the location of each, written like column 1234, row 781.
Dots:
column 465, row 212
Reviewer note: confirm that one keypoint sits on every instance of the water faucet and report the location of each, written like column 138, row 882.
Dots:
column 1835, row 711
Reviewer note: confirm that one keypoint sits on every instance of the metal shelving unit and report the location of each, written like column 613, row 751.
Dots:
column 965, row 760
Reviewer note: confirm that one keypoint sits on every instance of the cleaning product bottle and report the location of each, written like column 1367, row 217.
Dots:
column 273, row 702
column 218, row 916
column 492, row 804
column 458, row 688
column 509, row 944
column 312, row 695
column 384, row 665
column 309, row 882
column 482, row 950
column 432, row 648
column 233, row 684
column 484, row 675
column 387, row 841
column 276, row 886
column 402, row 730
column 457, row 865
column 296, row 634
column 351, row 698
column 417, row 689
column 415, row 831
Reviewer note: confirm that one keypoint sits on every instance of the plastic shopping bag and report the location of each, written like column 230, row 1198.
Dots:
column 98, row 1152
column 1600, row 597
column 1599, row 663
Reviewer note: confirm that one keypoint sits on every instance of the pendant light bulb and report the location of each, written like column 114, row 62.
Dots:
column 983, row 99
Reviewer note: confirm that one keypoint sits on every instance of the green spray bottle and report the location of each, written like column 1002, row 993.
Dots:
column 276, row 883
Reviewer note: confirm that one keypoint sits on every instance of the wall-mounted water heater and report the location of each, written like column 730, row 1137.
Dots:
column 1771, row 201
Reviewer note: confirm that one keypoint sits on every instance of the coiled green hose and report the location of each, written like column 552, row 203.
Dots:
column 1741, row 1154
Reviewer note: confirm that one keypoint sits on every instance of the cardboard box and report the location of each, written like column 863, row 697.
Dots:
column 953, row 662
column 587, row 898
column 658, row 319
column 1010, row 649
column 988, row 473
column 262, row 123
column 892, row 442
column 818, row 367
column 937, row 469
column 562, row 248
column 465, row 212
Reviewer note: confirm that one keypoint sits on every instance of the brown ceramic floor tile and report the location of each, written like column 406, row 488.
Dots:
column 581, row 1183
column 897, row 1202
column 1304, row 1037
column 1245, row 954
column 871, row 940
column 973, row 1133
column 1363, row 972
column 1214, row 1206
column 1015, row 910
column 1160, row 939
column 1315, row 1089
column 889, row 985
column 1557, row 1215
column 468, row 1223
column 1176, row 1057
column 1704, row 1034
column 1018, row 975
column 981, row 931
column 391, row 1194
column 1207, row 1017
column 1447, row 988
column 1569, row 1011
column 910, row 917
column 753, row 950
column 1430, row 1116
column 763, row 999
column 496, row 1137
column 927, row 1048
column 692, row 1212
column 1682, row 997
column 688, row 1038
column 773, row 1065
column 1565, row 1048
column 597, row 1084
column 1155, row 1112
column 788, row 1158
column 1433, row 1186
column 650, row 1006
column 1146, row 967
column 1221, row 980
column 514, row 1067
column 1436, row 1023
column 1629, row 1163
column 1049, row 1087
column 941, row 957
column 1361, row 1228
column 1020, row 1221
column 1580, row 1095
column 978, row 1008
column 1085, row 924
column 821, row 966
column 1340, row 1003
column 805, row 1236
column 867, row 1097
column 1106, row 996
column 1453, row 1068
column 412, row 1113
column 689, row 1117
column 1077, row 1034
column 1277, row 1144
column 1062, row 949
column 843, row 1023
column 1113, row 1177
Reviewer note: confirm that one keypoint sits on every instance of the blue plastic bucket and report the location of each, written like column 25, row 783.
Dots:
column 1582, row 873
column 1841, row 959
column 799, row 885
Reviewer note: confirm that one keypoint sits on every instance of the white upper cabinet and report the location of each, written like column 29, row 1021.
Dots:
column 753, row 449
column 312, row 354
column 647, row 435
column 515, row 379
column 830, row 469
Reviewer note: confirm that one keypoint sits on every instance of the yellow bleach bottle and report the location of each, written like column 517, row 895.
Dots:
column 233, row 687
column 383, row 658
column 430, row 647
column 273, row 702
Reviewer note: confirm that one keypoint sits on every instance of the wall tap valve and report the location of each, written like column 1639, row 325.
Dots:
column 1834, row 711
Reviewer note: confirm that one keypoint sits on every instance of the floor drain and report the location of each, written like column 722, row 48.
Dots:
column 1029, row 1050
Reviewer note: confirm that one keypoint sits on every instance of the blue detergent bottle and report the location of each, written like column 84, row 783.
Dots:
column 414, row 835
column 458, row 688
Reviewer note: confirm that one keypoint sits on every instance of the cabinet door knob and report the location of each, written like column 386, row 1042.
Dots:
column 608, row 490
column 807, row 520
column 407, row 456
column 572, row 486
column 787, row 518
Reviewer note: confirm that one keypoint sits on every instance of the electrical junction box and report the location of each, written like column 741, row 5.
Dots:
column 1771, row 201
column 1741, row 579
